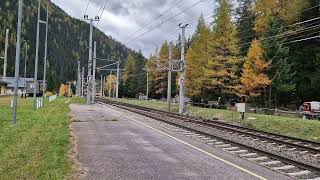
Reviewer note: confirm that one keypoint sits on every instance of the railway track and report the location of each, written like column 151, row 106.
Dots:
column 227, row 137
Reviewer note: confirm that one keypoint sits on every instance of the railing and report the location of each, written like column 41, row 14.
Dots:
column 39, row 103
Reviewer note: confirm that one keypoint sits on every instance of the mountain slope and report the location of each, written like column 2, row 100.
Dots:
column 67, row 41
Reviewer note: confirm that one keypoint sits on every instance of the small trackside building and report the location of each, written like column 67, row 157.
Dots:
column 25, row 85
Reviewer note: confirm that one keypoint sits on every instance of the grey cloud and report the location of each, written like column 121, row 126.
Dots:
column 130, row 15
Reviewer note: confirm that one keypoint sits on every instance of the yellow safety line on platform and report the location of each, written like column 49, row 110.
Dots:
column 201, row 150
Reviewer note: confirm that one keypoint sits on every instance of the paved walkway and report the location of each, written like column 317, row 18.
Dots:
column 116, row 146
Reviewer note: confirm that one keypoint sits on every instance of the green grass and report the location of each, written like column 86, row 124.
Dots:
column 294, row 127
column 37, row 147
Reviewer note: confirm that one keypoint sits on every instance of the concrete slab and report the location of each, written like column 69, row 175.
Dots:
column 114, row 145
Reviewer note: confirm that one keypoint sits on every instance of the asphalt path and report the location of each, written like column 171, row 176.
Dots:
column 114, row 144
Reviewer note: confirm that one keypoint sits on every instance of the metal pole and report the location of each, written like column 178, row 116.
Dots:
column 36, row 61
column 6, row 54
column 101, row 86
column 114, row 90
column 45, row 56
column 15, row 98
column 181, row 92
column 117, row 85
column 110, row 86
column 94, row 71
column 82, row 83
column 147, row 84
column 69, row 88
column 78, row 80
column 89, row 64
column 25, row 70
column 169, row 76
column 104, row 86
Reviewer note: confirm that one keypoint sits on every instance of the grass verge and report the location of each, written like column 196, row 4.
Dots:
column 293, row 127
column 37, row 147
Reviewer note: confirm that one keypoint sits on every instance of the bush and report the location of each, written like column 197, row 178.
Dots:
column 49, row 94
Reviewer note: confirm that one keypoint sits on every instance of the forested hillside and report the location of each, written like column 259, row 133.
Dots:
column 67, row 41
column 265, row 50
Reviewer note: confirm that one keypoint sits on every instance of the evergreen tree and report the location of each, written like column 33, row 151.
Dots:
column 245, row 24
column 290, row 9
column 129, row 81
column 200, row 26
column 281, row 70
column 67, row 42
column 161, row 78
column 221, row 70
column 306, row 58
column 151, row 67
column 140, row 73
column 264, row 9
column 197, row 56
column 287, row 9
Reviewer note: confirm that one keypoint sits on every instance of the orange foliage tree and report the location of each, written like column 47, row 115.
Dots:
column 253, row 78
column 63, row 90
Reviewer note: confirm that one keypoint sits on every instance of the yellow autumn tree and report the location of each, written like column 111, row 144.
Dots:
column 290, row 9
column 63, row 90
column 161, row 78
column 158, row 74
column 253, row 78
column 151, row 67
column 221, row 69
column 111, row 81
column 287, row 9
column 197, row 56
column 264, row 9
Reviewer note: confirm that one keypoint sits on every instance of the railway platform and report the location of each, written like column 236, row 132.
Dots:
column 117, row 144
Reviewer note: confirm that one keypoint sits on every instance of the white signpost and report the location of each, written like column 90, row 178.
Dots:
column 241, row 108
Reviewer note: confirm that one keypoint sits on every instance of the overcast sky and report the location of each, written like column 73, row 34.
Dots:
column 122, row 18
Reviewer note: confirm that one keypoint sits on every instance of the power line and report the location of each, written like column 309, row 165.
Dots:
column 165, row 21
column 284, row 34
column 191, row 24
column 150, row 22
column 85, row 12
column 298, row 23
column 275, row 28
column 289, row 16
column 104, row 7
column 293, row 41
column 299, row 40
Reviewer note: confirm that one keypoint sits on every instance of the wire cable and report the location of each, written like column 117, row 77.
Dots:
column 104, row 7
column 85, row 11
column 150, row 22
column 164, row 22
column 308, row 9
column 285, row 34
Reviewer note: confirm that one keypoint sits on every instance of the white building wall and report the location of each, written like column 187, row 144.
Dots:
column 10, row 91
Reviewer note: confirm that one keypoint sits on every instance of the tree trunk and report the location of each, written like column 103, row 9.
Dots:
column 265, row 97
column 270, row 95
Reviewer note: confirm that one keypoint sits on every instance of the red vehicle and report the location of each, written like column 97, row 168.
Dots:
column 311, row 110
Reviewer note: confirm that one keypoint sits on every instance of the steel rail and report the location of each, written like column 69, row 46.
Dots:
column 262, row 152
